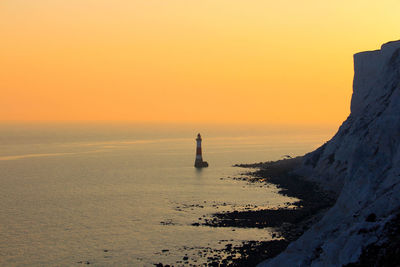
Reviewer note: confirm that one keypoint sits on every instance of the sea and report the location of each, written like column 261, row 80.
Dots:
column 125, row 194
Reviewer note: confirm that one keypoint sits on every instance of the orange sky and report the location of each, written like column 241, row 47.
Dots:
column 225, row 61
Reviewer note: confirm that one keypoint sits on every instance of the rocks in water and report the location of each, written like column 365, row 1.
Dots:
column 167, row 222
column 84, row 262
column 201, row 164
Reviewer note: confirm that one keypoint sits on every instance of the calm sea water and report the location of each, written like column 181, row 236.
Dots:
column 121, row 194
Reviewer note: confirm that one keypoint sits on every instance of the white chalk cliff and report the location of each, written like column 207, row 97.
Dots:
column 361, row 163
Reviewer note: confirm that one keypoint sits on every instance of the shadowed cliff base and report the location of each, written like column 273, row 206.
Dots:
column 386, row 250
column 288, row 223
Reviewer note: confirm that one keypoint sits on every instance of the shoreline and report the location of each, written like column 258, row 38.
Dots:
column 288, row 223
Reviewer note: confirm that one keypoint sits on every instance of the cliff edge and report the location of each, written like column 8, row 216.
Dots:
column 361, row 163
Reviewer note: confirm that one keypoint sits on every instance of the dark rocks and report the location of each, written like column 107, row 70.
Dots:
column 371, row 218
column 290, row 223
column 167, row 222
column 201, row 164
column 84, row 262
column 312, row 200
column 331, row 158
column 385, row 251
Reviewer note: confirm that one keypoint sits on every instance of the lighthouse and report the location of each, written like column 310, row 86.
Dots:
column 199, row 163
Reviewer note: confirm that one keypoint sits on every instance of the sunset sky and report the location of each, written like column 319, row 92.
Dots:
column 218, row 61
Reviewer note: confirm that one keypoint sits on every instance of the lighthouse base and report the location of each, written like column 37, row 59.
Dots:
column 200, row 164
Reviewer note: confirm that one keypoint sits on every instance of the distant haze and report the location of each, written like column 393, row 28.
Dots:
column 185, row 61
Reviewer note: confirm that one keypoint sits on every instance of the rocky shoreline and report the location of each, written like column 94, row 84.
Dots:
column 361, row 163
column 289, row 223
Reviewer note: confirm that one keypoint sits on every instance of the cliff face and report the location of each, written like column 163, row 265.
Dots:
column 361, row 163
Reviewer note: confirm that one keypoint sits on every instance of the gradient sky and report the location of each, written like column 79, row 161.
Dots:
column 219, row 61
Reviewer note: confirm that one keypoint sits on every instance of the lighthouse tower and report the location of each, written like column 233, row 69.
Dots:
column 199, row 163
